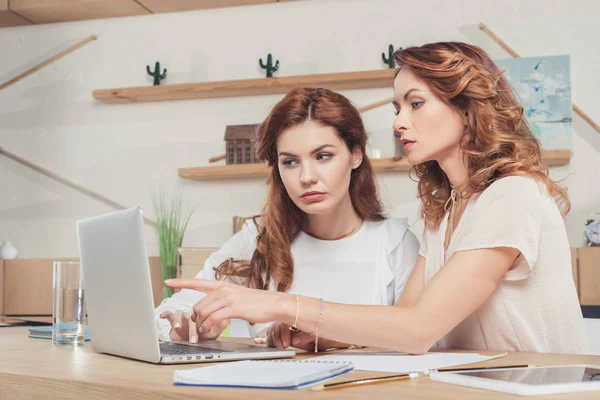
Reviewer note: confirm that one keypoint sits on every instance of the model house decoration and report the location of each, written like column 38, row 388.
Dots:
column 156, row 73
column 269, row 66
column 240, row 148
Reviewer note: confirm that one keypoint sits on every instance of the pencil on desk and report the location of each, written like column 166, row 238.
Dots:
column 359, row 382
column 451, row 369
column 390, row 378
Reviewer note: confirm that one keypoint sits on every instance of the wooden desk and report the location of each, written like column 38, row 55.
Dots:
column 33, row 368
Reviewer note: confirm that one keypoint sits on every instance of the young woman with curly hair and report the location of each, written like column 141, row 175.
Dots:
column 322, row 232
column 494, row 270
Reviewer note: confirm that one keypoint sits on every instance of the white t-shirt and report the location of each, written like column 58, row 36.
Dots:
column 535, row 307
column 370, row 267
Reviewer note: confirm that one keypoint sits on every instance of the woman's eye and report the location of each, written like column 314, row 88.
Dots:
column 288, row 162
column 416, row 104
column 324, row 156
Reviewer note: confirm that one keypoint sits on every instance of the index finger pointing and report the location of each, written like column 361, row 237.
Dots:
column 202, row 285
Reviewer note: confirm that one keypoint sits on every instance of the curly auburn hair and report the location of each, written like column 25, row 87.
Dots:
column 498, row 141
column 281, row 220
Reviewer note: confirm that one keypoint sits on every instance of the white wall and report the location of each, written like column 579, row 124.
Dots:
column 124, row 151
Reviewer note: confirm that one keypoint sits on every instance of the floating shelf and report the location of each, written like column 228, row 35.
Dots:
column 249, row 87
column 249, row 171
column 552, row 158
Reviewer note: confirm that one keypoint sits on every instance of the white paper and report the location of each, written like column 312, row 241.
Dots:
column 391, row 361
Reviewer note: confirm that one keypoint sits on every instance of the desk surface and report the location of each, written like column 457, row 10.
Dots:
column 33, row 368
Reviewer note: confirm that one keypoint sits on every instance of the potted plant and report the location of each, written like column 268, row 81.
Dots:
column 171, row 222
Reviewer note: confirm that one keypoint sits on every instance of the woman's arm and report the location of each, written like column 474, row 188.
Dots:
column 465, row 282
column 414, row 285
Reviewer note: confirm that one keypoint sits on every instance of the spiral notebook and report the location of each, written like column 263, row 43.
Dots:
column 263, row 374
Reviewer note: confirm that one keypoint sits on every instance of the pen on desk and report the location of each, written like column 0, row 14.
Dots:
column 477, row 368
column 410, row 375
column 360, row 382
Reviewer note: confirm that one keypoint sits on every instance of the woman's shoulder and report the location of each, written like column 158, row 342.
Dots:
column 517, row 187
column 394, row 224
column 251, row 227
column 242, row 244
column 390, row 231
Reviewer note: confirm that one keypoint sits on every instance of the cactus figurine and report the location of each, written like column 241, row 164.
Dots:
column 390, row 60
column 269, row 67
column 156, row 73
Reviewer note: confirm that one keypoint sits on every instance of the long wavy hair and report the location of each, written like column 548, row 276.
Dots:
column 281, row 220
column 498, row 141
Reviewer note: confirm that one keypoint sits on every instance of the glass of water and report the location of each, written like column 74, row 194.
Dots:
column 68, row 306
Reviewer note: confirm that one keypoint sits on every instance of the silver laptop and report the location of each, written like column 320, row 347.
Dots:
column 118, row 295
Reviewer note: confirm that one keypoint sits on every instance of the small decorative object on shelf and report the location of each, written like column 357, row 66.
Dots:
column 373, row 154
column 156, row 73
column 269, row 67
column 7, row 251
column 240, row 149
column 399, row 153
column 592, row 230
column 391, row 63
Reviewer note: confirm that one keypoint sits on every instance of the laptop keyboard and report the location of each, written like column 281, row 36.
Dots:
column 174, row 349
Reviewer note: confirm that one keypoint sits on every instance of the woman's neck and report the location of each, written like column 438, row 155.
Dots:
column 455, row 168
column 342, row 221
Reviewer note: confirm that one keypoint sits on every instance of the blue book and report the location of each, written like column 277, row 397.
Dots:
column 46, row 332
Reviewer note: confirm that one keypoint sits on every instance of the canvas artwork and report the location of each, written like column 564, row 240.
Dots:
column 543, row 85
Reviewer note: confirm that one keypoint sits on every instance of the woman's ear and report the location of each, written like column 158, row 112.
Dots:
column 356, row 157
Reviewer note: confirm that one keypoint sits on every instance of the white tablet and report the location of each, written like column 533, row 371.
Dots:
column 527, row 381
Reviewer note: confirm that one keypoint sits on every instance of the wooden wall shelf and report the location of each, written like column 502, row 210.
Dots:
column 249, row 171
column 552, row 158
column 249, row 87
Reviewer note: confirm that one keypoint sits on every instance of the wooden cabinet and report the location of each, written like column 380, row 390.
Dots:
column 26, row 285
column 1, row 287
column 588, row 271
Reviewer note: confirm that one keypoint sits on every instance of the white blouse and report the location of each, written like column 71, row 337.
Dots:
column 535, row 306
column 370, row 267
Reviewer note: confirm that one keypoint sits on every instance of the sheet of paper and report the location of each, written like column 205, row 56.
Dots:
column 391, row 361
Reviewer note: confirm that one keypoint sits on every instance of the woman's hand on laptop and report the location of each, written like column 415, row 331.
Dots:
column 224, row 300
column 183, row 329
column 280, row 336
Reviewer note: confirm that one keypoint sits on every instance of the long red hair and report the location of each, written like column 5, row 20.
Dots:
column 498, row 142
column 281, row 220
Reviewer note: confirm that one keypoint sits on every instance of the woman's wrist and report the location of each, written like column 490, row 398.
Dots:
column 285, row 308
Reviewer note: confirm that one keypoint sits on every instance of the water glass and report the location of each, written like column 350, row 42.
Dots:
column 68, row 306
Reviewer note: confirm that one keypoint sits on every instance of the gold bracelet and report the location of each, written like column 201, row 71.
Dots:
column 317, row 328
column 294, row 327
